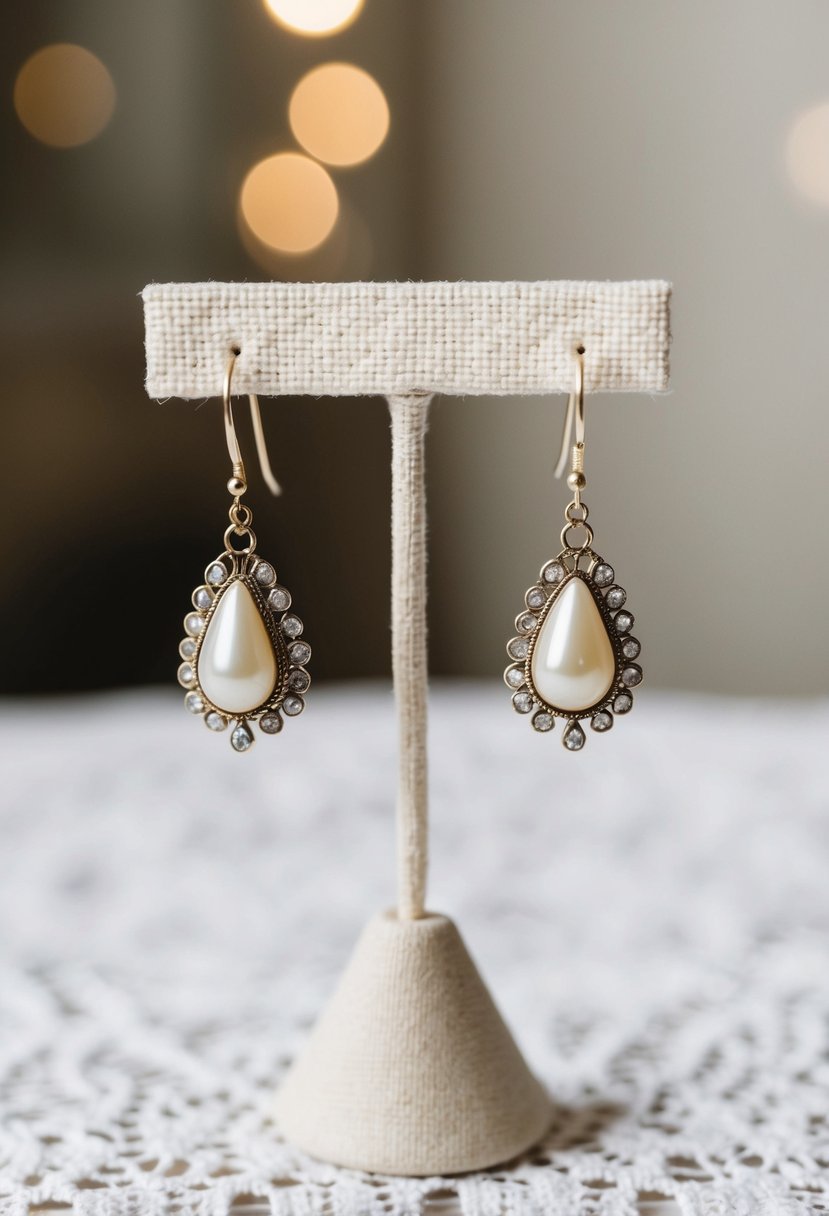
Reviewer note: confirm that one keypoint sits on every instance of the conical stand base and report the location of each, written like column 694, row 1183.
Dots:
column 411, row 1070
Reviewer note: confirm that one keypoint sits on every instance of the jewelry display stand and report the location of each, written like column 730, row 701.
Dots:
column 410, row 1070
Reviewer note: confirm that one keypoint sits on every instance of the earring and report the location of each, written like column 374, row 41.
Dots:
column 244, row 656
column 574, row 654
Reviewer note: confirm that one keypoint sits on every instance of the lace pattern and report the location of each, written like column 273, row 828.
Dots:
column 654, row 926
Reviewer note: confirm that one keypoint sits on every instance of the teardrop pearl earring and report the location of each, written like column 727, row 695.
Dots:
column 574, row 654
column 244, row 656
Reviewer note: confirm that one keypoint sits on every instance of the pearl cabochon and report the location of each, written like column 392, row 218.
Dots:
column 573, row 662
column 237, row 667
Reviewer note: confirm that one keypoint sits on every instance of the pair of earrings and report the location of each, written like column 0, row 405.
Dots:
column 574, row 656
column 244, row 656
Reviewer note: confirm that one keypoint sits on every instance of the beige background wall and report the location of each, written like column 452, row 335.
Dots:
column 643, row 139
column 528, row 139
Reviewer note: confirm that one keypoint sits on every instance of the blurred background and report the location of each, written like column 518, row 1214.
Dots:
column 329, row 139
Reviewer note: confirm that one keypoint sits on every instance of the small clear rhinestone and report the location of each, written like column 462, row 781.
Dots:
column 279, row 599
column 299, row 653
column 631, row 648
column 522, row 702
column 615, row 597
column 603, row 575
column 631, row 676
column 241, row 739
column 526, row 622
column 543, row 721
column 291, row 626
column 573, row 737
column 553, row 572
column 514, row 676
column 187, row 648
column 623, row 703
column 623, row 621
column 216, row 574
column 518, row 648
column 299, row 680
column 271, row 724
column 292, row 705
column 202, row 598
column 602, row 720
column 193, row 624
column 214, row 721
column 186, row 675
column 194, row 703
column 535, row 597
column 264, row 574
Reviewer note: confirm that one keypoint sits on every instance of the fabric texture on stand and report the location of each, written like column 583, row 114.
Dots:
column 353, row 339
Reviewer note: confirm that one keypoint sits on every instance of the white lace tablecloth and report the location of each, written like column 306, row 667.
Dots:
column 652, row 916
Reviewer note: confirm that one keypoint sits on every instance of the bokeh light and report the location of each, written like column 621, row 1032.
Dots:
column 314, row 17
column 289, row 202
column 347, row 254
column 808, row 154
column 64, row 95
column 339, row 114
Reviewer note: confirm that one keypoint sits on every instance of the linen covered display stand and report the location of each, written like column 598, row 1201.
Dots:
column 411, row 1069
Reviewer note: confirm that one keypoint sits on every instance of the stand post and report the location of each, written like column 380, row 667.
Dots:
column 410, row 1069
column 409, row 415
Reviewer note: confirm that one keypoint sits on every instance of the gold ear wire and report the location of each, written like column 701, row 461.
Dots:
column 574, row 418
column 237, row 485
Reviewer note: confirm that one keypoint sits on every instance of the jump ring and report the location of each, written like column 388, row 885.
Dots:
column 588, row 535
column 241, row 515
column 244, row 549
column 576, row 519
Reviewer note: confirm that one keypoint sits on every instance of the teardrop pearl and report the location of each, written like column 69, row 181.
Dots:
column 237, row 667
column 573, row 664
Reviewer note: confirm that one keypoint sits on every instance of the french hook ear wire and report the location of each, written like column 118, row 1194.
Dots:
column 237, row 485
column 574, row 418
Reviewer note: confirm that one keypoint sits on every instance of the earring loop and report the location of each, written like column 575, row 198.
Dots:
column 574, row 415
column 238, row 476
